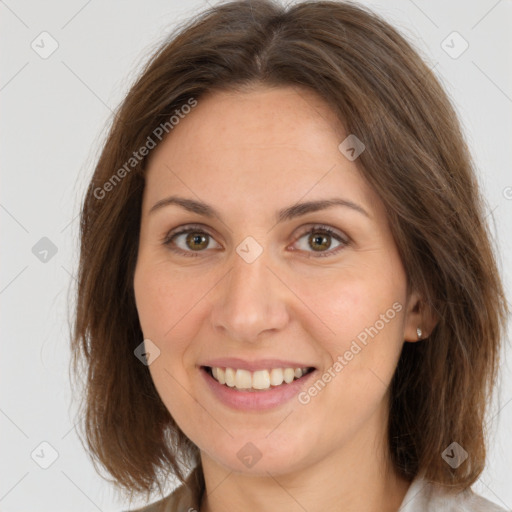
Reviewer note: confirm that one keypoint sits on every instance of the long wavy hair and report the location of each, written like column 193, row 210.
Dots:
column 417, row 161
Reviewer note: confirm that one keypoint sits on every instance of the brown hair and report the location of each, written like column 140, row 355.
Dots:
column 417, row 161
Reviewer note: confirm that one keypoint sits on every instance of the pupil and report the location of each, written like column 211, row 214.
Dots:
column 322, row 240
column 195, row 239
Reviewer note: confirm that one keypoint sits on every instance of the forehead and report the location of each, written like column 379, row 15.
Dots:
column 287, row 118
column 266, row 144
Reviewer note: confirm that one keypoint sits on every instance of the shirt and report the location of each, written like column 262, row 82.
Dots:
column 422, row 496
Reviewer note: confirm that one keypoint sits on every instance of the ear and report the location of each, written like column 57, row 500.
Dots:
column 418, row 316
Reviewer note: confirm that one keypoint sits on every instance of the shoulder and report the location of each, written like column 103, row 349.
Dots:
column 185, row 498
column 425, row 496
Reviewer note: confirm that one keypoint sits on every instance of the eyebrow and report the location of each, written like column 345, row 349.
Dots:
column 282, row 215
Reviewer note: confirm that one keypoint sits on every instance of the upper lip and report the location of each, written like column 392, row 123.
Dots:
column 257, row 364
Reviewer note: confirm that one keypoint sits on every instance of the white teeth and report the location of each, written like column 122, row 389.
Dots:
column 230, row 377
column 221, row 375
column 260, row 379
column 243, row 379
column 276, row 376
column 289, row 375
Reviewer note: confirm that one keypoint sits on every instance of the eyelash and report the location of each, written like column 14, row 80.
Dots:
column 326, row 230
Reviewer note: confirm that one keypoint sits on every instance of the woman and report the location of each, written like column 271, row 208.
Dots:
column 286, row 283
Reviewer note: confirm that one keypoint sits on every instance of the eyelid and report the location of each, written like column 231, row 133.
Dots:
column 323, row 227
column 340, row 236
column 183, row 229
column 311, row 228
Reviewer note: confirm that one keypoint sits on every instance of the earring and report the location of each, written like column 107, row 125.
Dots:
column 419, row 333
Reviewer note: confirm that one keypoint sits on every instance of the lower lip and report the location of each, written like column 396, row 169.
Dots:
column 255, row 400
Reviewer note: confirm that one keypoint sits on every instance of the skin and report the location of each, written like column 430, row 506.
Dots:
column 249, row 154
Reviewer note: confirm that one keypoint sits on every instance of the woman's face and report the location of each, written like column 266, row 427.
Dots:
column 261, row 285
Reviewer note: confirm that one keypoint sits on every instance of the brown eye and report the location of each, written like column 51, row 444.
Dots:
column 193, row 241
column 190, row 241
column 197, row 241
column 319, row 242
column 319, row 239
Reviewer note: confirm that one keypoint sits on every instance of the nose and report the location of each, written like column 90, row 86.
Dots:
column 250, row 301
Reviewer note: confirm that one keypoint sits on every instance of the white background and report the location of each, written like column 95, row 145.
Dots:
column 53, row 114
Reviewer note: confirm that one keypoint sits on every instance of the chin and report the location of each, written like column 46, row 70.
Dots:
column 260, row 456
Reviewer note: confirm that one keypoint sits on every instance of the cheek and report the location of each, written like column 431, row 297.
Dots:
column 360, row 357
column 149, row 299
column 165, row 304
column 348, row 300
column 358, row 316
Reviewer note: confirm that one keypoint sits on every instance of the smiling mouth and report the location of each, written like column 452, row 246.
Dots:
column 259, row 380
